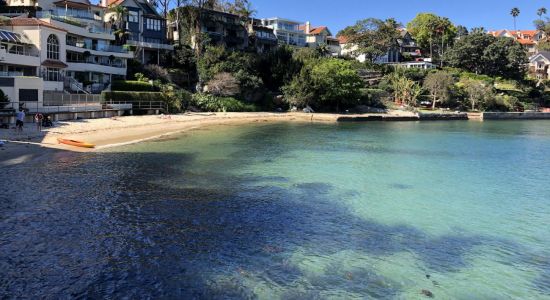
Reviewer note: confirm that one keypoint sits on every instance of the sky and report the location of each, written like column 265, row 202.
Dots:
column 337, row 14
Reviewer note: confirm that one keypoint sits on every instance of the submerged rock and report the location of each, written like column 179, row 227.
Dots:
column 427, row 293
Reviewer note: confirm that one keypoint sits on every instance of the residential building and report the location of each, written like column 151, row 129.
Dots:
column 539, row 65
column 288, row 32
column 145, row 28
column 321, row 36
column 528, row 38
column 405, row 49
column 261, row 37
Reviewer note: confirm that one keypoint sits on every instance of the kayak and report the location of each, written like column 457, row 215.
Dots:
column 75, row 143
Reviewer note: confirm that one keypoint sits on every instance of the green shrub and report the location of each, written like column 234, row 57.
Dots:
column 4, row 100
column 134, row 86
column 129, row 97
column 212, row 103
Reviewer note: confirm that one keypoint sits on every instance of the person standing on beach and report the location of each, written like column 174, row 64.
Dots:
column 19, row 120
column 38, row 118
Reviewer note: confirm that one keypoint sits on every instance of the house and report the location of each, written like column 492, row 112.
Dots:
column 405, row 49
column 528, row 38
column 144, row 26
column 539, row 65
column 321, row 36
column 263, row 38
column 349, row 49
column 288, row 32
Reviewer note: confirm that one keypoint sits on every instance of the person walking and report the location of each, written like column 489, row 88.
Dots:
column 38, row 118
column 20, row 120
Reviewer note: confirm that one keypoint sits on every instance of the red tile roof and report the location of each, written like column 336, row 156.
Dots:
column 32, row 22
column 114, row 2
column 343, row 39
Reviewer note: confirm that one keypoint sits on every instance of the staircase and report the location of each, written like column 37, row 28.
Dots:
column 370, row 77
column 72, row 85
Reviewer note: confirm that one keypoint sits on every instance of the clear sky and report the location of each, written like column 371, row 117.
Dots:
column 337, row 14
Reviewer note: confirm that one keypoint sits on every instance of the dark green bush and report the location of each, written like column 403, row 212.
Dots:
column 4, row 100
column 134, row 86
column 206, row 102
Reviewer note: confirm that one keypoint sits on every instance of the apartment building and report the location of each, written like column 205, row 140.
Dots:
column 528, row 38
column 288, row 32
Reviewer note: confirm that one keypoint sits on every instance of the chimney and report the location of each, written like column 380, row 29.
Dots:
column 308, row 27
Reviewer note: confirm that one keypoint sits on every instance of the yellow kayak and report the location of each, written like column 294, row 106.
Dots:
column 75, row 143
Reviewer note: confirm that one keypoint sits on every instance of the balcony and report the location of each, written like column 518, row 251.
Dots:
column 106, row 63
column 102, row 48
column 83, row 27
column 10, row 74
column 150, row 43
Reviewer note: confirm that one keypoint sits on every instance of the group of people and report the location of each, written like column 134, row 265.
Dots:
column 20, row 120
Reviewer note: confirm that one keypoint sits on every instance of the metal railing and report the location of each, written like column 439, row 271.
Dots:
column 140, row 105
column 73, row 100
column 103, row 48
column 10, row 73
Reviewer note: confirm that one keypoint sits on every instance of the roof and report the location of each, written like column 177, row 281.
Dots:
column 52, row 63
column 114, row 2
column 72, row 4
column 12, row 37
column 343, row 39
column 32, row 22
column 314, row 30
column 544, row 54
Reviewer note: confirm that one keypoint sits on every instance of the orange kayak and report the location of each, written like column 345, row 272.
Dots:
column 75, row 143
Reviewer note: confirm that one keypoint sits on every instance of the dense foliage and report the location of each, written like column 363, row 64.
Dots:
column 485, row 54
column 133, row 85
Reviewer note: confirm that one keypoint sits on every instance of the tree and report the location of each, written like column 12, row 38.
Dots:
column 485, row 54
column 372, row 37
column 405, row 90
column 4, row 99
column 324, row 83
column 224, row 84
column 541, row 11
column 515, row 13
column 477, row 92
column 461, row 31
column 432, row 32
column 120, row 14
column 439, row 85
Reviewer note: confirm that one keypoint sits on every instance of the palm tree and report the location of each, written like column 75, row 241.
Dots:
column 541, row 11
column 515, row 13
column 120, row 15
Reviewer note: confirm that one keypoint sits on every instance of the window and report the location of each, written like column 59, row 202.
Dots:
column 153, row 24
column 53, row 47
column 27, row 95
column 52, row 74
column 133, row 16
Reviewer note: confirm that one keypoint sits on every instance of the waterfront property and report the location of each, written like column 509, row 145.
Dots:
column 539, row 65
column 144, row 27
column 528, row 38
column 288, row 32
column 321, row 37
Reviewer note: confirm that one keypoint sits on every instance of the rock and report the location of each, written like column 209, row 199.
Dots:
column 308, row 109
column 369, row 109
column 279, row 109
column 427, row 293
column 294, row 109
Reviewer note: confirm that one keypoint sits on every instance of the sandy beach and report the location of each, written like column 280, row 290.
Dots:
column 111, row 132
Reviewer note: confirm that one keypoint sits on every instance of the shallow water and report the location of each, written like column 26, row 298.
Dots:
column 290, row 211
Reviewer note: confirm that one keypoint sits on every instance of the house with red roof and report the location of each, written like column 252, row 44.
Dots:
column 528, row 38
column 321, row 35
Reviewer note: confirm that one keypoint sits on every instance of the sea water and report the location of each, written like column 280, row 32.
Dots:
column 458, row 210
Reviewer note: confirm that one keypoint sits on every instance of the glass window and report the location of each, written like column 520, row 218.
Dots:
column 153, row 24
column 133, row 16
column 52, row 74
column 53, row 47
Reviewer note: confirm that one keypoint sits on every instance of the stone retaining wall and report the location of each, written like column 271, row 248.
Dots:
column 515, row 116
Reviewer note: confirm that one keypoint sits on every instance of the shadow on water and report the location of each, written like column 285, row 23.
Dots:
column 141, row 225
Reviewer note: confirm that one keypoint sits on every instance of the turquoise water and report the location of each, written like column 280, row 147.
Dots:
column 290, row 211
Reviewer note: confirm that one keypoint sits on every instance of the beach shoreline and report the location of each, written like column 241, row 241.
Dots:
column 114, row 132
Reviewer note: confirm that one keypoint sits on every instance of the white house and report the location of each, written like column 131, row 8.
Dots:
column 539, row 65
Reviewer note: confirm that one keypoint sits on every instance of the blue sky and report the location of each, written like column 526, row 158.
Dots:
column 337, row 14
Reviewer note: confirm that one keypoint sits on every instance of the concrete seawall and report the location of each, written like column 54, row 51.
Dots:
column 515, row 116
column 393, row 118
